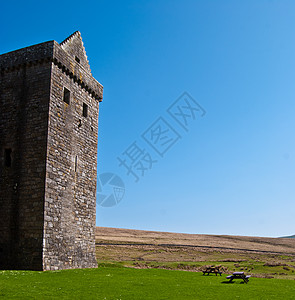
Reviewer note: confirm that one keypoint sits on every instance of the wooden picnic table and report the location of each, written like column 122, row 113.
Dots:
column 216, row 270
column 238, row 275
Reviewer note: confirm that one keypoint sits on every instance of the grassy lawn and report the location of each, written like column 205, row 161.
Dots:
column 115, row 282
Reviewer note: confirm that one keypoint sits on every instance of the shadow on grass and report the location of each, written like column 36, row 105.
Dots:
column 228, row 282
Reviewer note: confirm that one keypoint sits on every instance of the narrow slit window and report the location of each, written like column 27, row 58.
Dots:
column 7, row 157
column 67, row 95
column 77, row 59
column 85, row 110
column 76, row 163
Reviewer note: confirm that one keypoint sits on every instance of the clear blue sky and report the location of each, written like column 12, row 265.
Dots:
column 233, row 171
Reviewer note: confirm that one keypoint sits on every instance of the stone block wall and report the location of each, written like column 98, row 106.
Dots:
column 24, row 105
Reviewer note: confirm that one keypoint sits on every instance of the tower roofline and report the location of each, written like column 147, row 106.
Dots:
column 52, row 51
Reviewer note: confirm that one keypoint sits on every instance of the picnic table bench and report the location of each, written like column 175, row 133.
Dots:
column 238, row 275
column 216, row 270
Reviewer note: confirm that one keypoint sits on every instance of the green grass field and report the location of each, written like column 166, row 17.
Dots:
column 115, row 282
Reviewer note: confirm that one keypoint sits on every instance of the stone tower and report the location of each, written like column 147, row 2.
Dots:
column 49, row 105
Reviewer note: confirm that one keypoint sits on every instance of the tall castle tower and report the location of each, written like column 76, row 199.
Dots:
column 49, row 105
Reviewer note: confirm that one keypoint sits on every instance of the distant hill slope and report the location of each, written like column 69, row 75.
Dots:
column 289, row 237
column 219, row 242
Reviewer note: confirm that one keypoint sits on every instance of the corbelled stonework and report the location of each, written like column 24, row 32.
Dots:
column 49, row 105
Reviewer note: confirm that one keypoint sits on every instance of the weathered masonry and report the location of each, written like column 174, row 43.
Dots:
column 49, row 105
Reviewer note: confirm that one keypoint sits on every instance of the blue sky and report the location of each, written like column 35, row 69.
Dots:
column 233, row 170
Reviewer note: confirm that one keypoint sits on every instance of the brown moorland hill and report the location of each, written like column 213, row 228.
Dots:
column 114, row 236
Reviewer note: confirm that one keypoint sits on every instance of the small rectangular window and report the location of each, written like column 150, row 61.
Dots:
column 85, row 110
column 77, row 59
column 7, row 157
column 67, row 96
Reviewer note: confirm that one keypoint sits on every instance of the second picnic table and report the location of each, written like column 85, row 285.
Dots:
column 238, row 275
